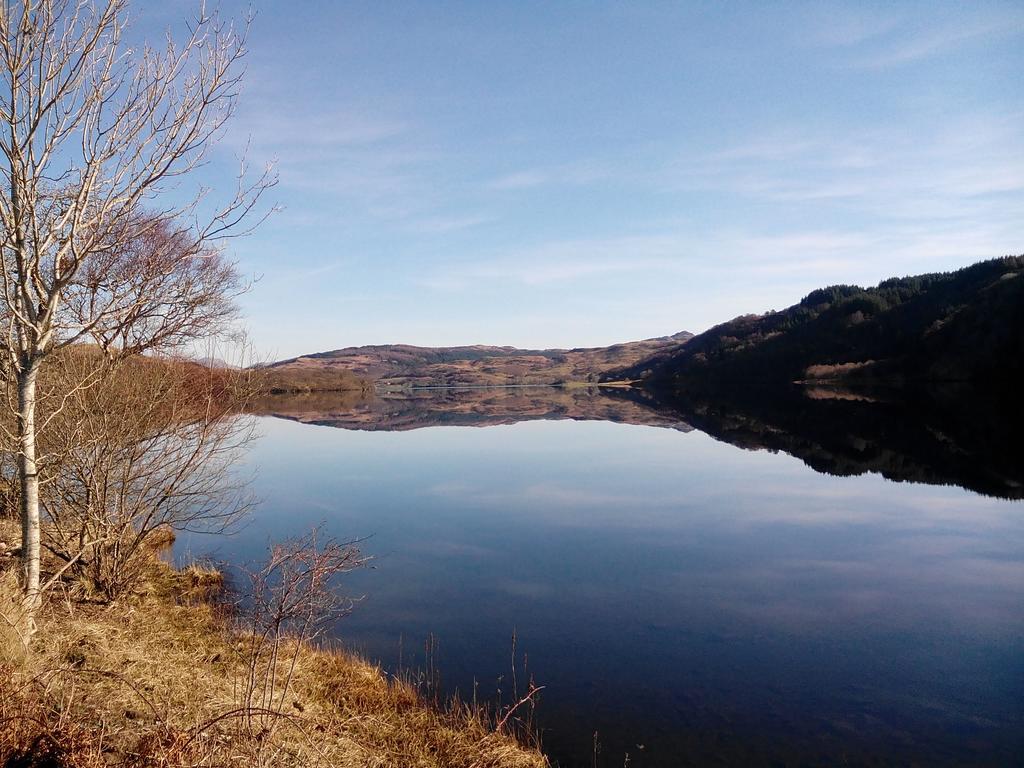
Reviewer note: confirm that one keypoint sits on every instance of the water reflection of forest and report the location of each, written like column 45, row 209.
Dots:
column 950, row 436
column 940, row 436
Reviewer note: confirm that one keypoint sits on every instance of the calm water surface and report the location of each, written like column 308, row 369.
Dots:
column 688, row 601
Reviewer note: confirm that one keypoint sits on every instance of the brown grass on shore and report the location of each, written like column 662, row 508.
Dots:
column 154, row 680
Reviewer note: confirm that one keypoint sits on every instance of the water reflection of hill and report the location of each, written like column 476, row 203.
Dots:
column 940, row 437
column 400, row 411
column 951, row 436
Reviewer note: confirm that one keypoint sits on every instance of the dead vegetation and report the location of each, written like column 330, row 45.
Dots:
column 168, row 676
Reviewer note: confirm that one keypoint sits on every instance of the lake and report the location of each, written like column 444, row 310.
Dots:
column 687, row 600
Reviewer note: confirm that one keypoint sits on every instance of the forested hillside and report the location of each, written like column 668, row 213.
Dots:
column 966, row 325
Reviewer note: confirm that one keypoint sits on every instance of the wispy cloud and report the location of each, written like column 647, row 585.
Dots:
column 882, row 37
column 972, row 155
column 339, row 157
column 564, row 261
column 289, row 130
column 928, row 42
column 559, row 174
column 441, row 225
column 519, row 180
column 845, row 25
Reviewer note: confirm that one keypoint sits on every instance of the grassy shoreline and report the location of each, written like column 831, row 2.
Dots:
column 155, row 679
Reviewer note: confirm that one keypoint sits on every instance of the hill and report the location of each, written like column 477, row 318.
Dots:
column 966, row 325
column 406, row 366
column 279, row 379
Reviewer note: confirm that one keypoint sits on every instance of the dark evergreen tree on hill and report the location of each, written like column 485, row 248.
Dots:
column 955, row 326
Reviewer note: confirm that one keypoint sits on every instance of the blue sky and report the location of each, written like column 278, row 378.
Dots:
column 579, row 173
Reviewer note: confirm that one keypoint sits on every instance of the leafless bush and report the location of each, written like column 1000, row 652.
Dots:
column 15, row 623
column 148, row 447
column 291, row 600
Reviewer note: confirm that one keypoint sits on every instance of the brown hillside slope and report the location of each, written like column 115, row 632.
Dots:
column 401, row 365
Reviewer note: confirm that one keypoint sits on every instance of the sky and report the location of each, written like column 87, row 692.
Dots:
column 567, row 174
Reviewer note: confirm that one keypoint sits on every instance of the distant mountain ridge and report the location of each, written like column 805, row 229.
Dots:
column 408, row 366
column 961, row 326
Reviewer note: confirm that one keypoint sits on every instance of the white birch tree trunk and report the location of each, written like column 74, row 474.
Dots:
column 28, row 477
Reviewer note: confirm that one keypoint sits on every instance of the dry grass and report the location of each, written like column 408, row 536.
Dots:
column 154, row 679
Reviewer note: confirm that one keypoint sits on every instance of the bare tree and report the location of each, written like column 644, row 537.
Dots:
column 148, row 448
column 92, row 132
